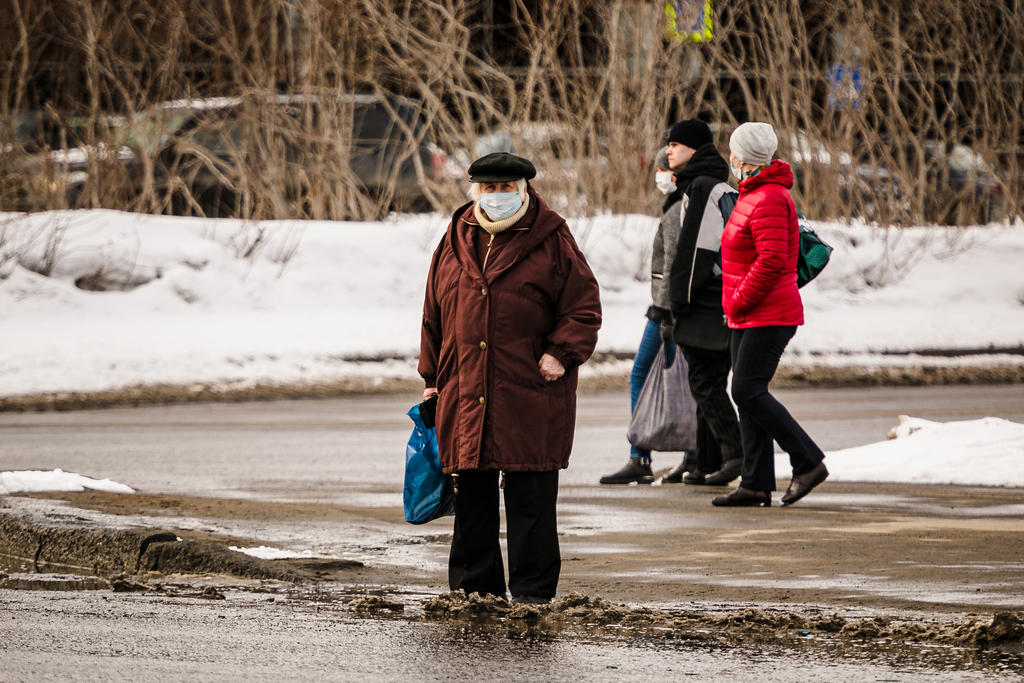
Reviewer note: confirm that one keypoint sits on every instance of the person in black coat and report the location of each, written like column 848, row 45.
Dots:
column 695, row 286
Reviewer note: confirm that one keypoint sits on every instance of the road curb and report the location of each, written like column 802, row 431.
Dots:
column 32, row 546
column 612, row 375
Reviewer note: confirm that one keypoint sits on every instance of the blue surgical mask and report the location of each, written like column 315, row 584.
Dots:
column 500, row 205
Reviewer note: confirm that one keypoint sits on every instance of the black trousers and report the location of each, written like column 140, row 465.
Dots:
column 755, row 357
column 534, row 561
column 718, row 431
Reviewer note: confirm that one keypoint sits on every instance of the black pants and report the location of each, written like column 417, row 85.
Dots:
column 718, row 431
column 755, row 357
column 534, row 562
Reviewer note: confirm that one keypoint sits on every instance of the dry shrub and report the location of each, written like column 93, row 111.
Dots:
column 596, row 74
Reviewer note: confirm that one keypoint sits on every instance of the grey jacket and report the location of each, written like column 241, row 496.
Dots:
column 663, row 254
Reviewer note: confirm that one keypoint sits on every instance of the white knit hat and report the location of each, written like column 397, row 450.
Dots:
column 754, row 143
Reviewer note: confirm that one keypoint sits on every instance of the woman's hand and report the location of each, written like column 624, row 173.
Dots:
column 427, row 393
column 550, row 368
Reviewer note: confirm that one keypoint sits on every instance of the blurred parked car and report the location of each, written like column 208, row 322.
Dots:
column 43, row 158
column 966, row 188
column 323, row 156
column 558, row 150
column 38, row 131
column 949, row 184
column 860, row 189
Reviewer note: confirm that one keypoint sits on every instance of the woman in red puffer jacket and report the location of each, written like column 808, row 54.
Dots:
column 760, row 244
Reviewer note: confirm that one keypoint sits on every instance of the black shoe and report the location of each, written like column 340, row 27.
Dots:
column 742, row 497
column 694, row 478
column 530, row 600
column 730, row 470
column 676, row 475
column 636, row 470
column 802, row 485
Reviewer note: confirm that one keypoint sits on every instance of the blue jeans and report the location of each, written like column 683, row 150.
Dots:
column 650, row 344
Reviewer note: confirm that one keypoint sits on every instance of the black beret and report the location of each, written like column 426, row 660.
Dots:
column 501, row 167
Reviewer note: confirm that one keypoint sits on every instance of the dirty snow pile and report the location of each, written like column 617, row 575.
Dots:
column 190, row 301
column 57, row 480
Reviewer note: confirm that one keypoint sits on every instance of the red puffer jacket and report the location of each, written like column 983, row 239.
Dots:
column 484, row 333
column 760, row 245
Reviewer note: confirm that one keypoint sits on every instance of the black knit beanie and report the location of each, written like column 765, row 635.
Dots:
column 693, row 133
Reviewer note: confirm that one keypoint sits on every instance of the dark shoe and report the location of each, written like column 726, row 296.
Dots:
column 730, row 470
column 802, row 485
column 676, row 476
column 742, row 497
column 529, row 600
column 636, row 470
column 694, row 478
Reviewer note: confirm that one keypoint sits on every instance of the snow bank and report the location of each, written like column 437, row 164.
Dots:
column 985, row 452
column 910, row 289
column 202, row 301
column 58, row 480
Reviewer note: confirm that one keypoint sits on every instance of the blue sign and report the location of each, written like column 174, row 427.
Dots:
column 845, row 87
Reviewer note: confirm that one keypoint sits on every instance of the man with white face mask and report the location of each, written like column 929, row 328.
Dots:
column 658, row 330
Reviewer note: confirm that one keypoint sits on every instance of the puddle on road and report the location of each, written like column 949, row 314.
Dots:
column 589, row 655
column 376, row 632
column 583, row 638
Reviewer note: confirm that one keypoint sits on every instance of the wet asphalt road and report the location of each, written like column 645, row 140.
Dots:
column 349, row 452
column 94, row 637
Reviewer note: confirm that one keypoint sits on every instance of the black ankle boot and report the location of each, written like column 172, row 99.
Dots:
column 742, row 497
column 694, row 478
column 636, row 470
column 730, row 471
column 676, row 475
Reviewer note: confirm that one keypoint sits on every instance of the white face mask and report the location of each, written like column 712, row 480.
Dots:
column 500, row 205
column 736, row 172
column 666, row 181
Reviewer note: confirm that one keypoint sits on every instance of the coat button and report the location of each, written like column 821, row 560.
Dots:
column 483, row 345
column 482, row 400
column 483, row 291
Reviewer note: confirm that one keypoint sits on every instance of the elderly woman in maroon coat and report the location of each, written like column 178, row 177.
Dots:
column 511, row 312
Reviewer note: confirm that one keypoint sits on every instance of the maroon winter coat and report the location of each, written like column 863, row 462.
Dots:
column 760, row 245
column 484, row 334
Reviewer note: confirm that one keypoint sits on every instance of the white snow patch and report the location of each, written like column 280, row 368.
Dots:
column 264, row 552
column 985, row 452
column 29, row 481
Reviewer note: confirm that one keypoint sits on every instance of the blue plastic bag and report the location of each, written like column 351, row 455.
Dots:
column 428, row 490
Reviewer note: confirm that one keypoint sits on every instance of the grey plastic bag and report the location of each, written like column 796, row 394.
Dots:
column 665, row 418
